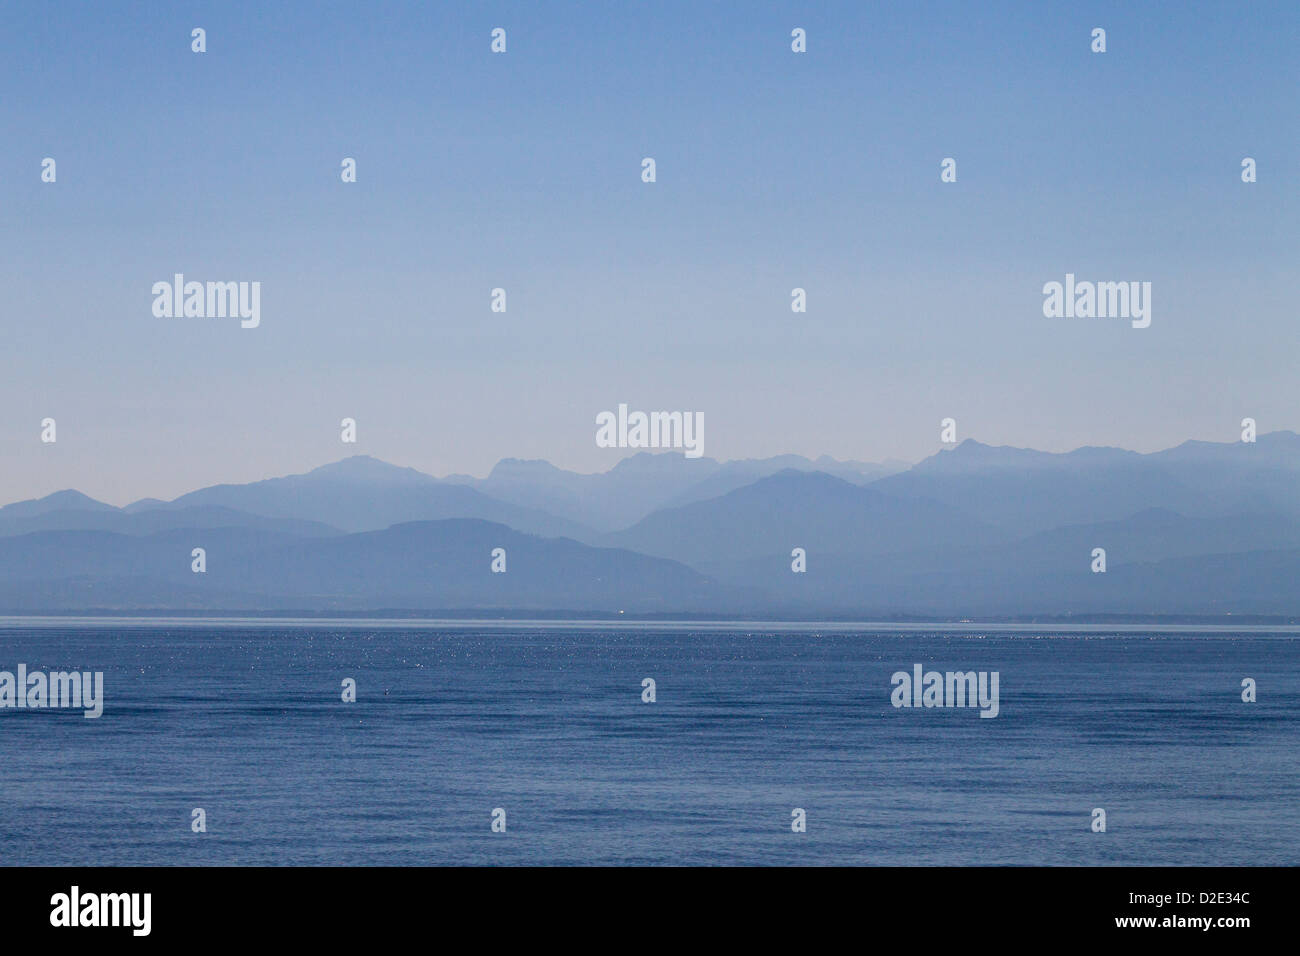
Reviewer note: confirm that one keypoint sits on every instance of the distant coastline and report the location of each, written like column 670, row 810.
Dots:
column 523, row 619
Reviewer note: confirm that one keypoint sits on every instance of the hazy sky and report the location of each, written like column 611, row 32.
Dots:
column 522, row 170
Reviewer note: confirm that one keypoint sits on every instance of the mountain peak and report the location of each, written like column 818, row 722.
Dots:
column 68, row 499
column 662, row 462
column 369, row 468
column 975, row 454
column 972, row 455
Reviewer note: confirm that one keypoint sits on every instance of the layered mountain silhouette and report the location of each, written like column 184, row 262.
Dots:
column 1029, row 491
column 1205, row 529
column 814, row 511
column 365, row 494
column 422, row 565
column 646, row 482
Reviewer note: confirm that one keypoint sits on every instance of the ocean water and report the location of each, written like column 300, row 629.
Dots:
column 546, row 721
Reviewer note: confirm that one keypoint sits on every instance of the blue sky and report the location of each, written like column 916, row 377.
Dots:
column 521, row 170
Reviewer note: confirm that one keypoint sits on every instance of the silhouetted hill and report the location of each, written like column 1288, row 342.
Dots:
column 418, row 565
column 67, row 500
column 978, row 530
column 151, row 521
column 796, row 509
column 365, row 494
column 1028, row 491
column 643, row 483
column 1152, row 558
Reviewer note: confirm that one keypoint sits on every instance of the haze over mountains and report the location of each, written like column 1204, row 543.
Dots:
column 644, row 483
column 1202, row 529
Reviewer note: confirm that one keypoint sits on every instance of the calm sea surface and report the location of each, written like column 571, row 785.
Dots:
column 546, row 721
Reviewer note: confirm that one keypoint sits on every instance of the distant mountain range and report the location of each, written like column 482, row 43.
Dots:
column 644, row 483
column 974, row 531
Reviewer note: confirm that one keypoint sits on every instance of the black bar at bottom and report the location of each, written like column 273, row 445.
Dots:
column 910, row 905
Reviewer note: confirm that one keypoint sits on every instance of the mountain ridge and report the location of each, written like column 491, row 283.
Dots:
column 974, row 529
